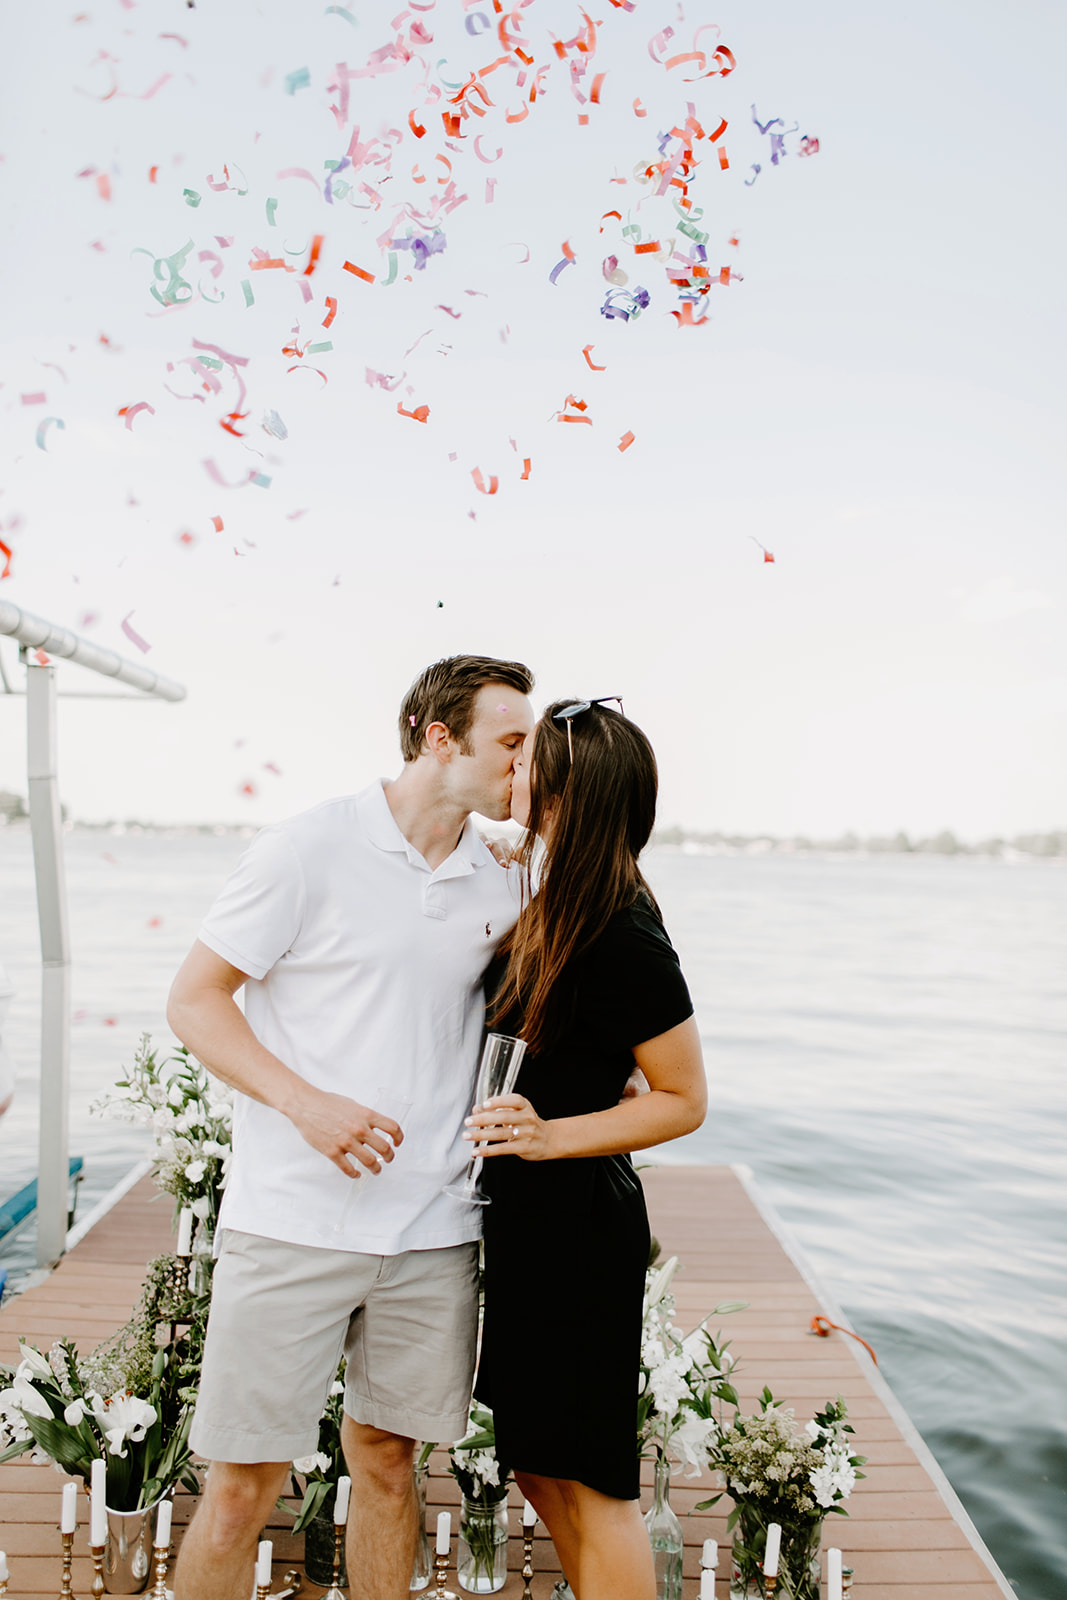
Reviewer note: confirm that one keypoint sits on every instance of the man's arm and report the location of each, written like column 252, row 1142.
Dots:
column 206, row 1018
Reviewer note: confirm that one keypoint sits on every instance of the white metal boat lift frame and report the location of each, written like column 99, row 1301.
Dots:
column 46, row 828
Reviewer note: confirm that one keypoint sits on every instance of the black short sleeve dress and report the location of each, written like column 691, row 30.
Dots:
column 566, row 1242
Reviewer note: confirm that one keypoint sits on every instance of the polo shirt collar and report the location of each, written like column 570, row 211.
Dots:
column 381, row 829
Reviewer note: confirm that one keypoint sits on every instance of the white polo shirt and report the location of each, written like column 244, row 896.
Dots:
column 365, row 971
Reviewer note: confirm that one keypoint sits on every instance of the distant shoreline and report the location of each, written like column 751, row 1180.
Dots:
column 1022, row 847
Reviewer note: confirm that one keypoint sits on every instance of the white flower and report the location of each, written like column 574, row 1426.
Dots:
column 211, row 1147
column 122, row 1417
column 33, row 1361
column 314, row 1463
column 154, row 1095
column 834, row 1479
column 23, row 1395
column 337, row 1388
column 75, row 1412
column 201, row 1207
column 195, row 1171
column 659, row 1282
column 690, row 1442
column 176, row 1094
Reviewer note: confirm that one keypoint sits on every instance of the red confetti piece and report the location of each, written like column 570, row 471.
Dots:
column 480, row 485
column 525, row 469
column 133, row 636
column 586, row 352
column 724, row 160
column 639, row 110
column 626, row 441
column 270, row 262
column 153, row 174
column 217, row 524
column 650, row 247
column 186, row 538
column 332, row 311
column 155, row 922
column 766, row 553
column 7, row 553
column 103, row 185
column 313, row 259
column 248, row 789
column 419, row 414
column 358, row 272
column 594, row 93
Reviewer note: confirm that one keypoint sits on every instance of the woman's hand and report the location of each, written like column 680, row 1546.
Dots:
column 509, row 1126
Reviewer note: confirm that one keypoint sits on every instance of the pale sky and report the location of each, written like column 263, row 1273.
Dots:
column 879, row 401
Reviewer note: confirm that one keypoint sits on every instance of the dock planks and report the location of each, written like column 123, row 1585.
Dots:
column 906, row 1534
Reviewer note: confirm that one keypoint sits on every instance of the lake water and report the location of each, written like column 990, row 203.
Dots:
column 885, row 1041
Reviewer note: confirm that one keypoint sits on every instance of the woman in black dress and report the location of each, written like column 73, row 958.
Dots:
column 589, row 979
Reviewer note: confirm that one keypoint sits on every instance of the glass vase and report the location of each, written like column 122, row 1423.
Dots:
column 665, row 1536
column 482, row 1547
column 798, row 1563
column 423, row 1569
column 319, row 1545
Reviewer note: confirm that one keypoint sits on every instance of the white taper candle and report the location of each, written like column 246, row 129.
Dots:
column 529, row 1515
column 774, row 1545
column 68, row 1519
column 98, row 1503
column 709, row 1555
column 263, row 1561
column 707, row 1583
column 340, row 1505
column 833, row 1575
column 444, row 1532
column 163, row 1516
column 185, row 1231
column 4, row 1574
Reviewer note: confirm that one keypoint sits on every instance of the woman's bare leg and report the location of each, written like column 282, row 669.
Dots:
column 602, row 1543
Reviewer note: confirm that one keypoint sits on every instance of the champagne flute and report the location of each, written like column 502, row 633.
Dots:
column 389, row 1104
column 501, row 1060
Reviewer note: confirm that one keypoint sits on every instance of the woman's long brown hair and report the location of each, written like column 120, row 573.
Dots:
column 603, row 807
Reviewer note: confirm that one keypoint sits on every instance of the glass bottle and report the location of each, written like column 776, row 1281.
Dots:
column 423, row 1569
column 665, row 1536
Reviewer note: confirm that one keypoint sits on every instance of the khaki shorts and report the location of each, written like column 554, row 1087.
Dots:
column 281, row 1317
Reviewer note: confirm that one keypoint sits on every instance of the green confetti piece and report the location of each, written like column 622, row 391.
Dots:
column 692, row 233
column 392, row 268
column 300, row 79
column 171, row 294
column 250, row 298
column 342, row 11
column 339, row 189
column 317, row 349
column 272, row 206
column 192, row 198
column 260, row 479
column 331, row 166
column 210, row 361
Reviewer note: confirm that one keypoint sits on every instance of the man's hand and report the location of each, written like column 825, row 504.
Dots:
column 340, row 1128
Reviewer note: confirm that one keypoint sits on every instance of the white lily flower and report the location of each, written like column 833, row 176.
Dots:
column 122, row 1417
column 75, row 1412
column 33, row 1361
column 195, row 1171
column 660, row 1283
column 201, row 1207
column 690, row 1443
column 25, row 1396
column 313, row 1463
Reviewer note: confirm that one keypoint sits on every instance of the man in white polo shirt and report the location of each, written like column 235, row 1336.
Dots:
column 359, row 931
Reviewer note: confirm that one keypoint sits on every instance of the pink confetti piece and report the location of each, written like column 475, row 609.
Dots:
column 133, row 636
column 129, row 412
column 37, row 399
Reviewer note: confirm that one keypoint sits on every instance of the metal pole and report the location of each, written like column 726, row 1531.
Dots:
column 47, row 831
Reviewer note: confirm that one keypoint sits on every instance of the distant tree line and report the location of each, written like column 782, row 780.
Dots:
column 944, row 843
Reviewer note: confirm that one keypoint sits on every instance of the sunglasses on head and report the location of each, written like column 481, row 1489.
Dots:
column 568, row 713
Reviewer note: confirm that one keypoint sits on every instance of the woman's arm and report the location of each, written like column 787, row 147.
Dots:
column 676, row 1103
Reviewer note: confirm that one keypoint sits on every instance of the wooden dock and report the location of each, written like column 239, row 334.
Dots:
column 907, row 1537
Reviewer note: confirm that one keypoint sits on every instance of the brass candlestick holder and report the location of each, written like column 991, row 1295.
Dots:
column 262, row 1591
column 65, row 1590
column 770, row 1584
column 440, row 1573
column 335, row 1592
column 162, row 1556
column 527, row 1561
column 97, row 1553
column 3, row 1588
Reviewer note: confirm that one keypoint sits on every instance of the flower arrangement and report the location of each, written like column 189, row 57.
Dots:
column 191, row 1116
column 57, row 1408
column 777, row 1472
column 684, row 1381
column 484, row 1485
column 321, row 1470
